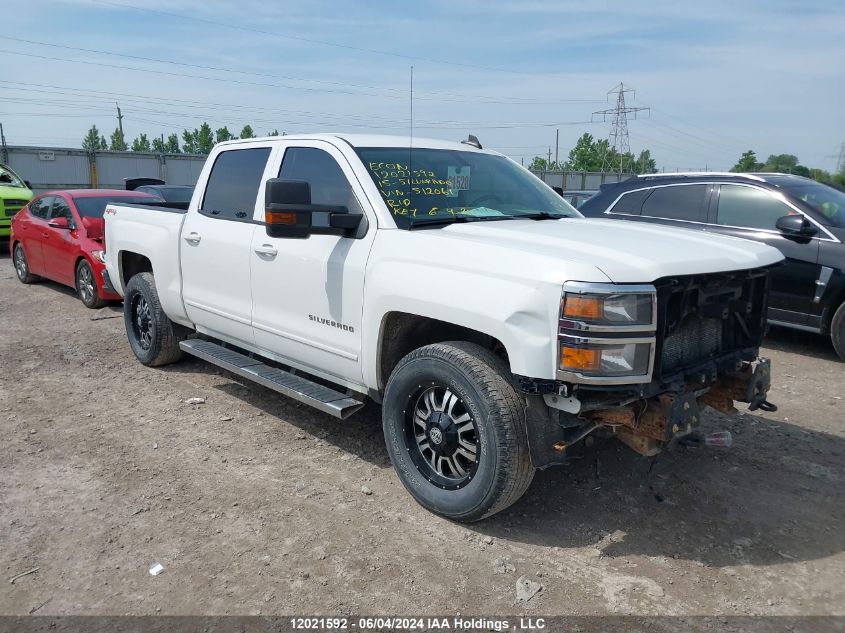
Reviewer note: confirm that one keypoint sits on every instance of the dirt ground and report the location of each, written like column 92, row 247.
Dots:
column 253, row 503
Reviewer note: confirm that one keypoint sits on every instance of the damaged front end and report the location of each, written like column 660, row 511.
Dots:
column 640, row 366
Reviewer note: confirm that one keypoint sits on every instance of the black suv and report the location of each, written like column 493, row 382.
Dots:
column 802, row 218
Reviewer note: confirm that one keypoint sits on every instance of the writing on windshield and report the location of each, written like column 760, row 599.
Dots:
column 420, row 185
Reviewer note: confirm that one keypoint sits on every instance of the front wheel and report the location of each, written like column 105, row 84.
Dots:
column 86, row 286
column 153, row 336
column 837, row 331
column 455, row 431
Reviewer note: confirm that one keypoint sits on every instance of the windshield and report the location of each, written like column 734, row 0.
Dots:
column 829, row 202
column 8, row 178
column 95, row 207
column 436, row 186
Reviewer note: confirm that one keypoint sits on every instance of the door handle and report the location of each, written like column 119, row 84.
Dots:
column 266, row 249
column 193, row 238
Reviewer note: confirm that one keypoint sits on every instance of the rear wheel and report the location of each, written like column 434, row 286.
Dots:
column 153, row 336
column 837, row 331
column 455, row 431
column 86, row 286
column 22, row 265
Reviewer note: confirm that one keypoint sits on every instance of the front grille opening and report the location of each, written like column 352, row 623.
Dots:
column 707, row 318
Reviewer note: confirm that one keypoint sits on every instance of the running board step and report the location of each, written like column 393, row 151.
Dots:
column 318, row 396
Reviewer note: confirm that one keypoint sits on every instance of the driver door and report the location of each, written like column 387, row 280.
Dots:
column 307, row 294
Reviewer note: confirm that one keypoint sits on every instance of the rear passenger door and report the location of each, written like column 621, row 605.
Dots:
column 216, row 243
column 30, row 230
column 750, row 212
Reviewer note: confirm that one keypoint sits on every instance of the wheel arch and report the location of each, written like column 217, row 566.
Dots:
column 400, row 333
column 130, row 264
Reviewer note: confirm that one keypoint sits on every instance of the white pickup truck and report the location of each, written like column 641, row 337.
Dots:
column 496, row 326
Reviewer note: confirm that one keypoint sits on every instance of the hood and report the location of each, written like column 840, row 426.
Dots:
column 627, row 252
column 15, row 193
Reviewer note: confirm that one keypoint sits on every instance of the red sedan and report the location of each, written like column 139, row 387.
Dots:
column 59, row 236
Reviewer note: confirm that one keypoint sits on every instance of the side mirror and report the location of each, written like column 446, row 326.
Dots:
column 796, row 226
column 290, row 214
column 28, row 184
column 59, row 223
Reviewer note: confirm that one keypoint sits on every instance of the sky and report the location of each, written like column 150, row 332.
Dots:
column 718, row 78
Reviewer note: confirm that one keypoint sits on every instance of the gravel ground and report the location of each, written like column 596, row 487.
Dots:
column 253, row 504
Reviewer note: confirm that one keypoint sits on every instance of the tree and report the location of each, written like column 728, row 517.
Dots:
column 189, row 141
column 597, row 155
column 747, row 162
column 118, row 143
column 820, row 175
column 645, row 164
column 247, row 132
column 141, row 144
column 781, row 162
column 172, row 144
column 158, row 146
column 205, row 139
column 223, row 134
column 94, row 141
column 539, row 164
column 583, row 157
column 273, row 133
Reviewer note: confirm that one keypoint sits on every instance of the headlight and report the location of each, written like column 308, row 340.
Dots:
column 607, row 333
column 100, row 256
column 625, row 359
column 613, row 309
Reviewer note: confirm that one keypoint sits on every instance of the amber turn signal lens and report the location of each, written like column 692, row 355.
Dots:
column 577, row 307
column 280, row 217
column 580, row 358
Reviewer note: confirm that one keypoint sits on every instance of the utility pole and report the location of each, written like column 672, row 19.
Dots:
column 557, row 148
column 618, row 139
column 119, row 121
column 3, row 145
column 549, row 163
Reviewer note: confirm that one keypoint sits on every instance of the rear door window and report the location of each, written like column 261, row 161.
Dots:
column 233, row 184
column 750, row 207
column 677, row 202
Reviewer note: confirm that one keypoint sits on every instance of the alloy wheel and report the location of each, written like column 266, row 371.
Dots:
column 20, row 262
column 442, row 437
column 142, row 322
column 85, row 283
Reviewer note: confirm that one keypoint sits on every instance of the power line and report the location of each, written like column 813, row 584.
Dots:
column 360, row 49
column 401, row 91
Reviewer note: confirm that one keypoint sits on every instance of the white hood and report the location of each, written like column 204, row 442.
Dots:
column 627, row 252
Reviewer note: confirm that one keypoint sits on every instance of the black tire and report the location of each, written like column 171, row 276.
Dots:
column 481, row 382
column 837, row 331
column 22, row 265
column 153, row 336
column 86, row 286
